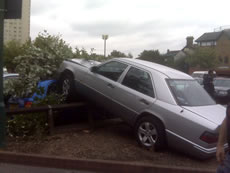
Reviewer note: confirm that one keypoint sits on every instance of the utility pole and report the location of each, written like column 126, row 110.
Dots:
column 2, row 106
column 9, row 9
column 105, row 37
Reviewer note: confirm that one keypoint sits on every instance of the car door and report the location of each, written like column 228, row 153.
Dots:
column 102, row 81
column 134, row 94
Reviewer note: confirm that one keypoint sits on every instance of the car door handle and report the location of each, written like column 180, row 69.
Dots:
column 110, row 85
column 144, row 101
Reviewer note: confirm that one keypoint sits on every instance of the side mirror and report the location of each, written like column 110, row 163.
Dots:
column 94, row 69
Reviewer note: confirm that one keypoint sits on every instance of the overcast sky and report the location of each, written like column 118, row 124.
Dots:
column 132, row 25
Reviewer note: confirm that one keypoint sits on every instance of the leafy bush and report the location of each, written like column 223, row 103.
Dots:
column 27, row 125
column 40, row 61
column 11, row 50
column 32, row 125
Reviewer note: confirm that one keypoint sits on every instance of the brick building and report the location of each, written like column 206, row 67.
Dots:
column 18, row 29
column 220, row 41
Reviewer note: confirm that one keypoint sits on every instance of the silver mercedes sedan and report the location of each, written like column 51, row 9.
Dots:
column 166, row 107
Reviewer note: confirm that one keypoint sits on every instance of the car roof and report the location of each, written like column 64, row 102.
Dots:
column 167, row 71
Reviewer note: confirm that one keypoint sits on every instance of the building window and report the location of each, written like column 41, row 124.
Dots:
column 226, row 60
column 220, row 59
column 208, row 43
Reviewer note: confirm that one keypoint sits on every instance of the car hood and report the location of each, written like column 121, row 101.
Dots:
column 222, row 88
column 214, row 113
column 85, row 63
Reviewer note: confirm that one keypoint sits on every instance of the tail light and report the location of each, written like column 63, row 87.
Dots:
column 209, row 137
column 28, row 104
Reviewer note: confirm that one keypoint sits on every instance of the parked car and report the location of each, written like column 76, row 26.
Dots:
column 47, row 85
column 222, row 90
column 166, row 107
column 7, row 76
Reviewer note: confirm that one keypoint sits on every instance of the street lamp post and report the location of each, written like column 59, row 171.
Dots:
column 2, row 110
column 105, row 37
column 9, row 9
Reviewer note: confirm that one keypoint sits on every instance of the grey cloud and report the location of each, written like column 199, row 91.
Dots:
column 38, row 7
column 98, row 28
column 116, row 28
column 93, row 4
column 156, row 34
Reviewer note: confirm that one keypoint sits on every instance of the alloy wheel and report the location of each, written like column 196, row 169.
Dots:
column 147, row 134
column 65, row 87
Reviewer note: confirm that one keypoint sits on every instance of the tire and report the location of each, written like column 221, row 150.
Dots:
column 67, row 87
column 150, row 133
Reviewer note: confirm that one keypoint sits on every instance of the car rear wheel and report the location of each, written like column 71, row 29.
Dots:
column 150, row 133
column 67, row 87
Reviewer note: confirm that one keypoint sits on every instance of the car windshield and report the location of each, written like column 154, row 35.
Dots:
column 189, row 93
column 222, row 83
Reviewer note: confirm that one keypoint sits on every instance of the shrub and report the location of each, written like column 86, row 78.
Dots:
column 27, row 125
column 32, row 125
column 40, row 61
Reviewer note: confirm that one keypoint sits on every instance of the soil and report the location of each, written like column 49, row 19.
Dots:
column 109, row 140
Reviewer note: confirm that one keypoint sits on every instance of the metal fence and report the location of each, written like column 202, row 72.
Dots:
column 47, row 108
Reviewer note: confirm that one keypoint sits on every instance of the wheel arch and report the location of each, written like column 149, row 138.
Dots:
column 66, row 71
column 144, row 114
column 148, row 114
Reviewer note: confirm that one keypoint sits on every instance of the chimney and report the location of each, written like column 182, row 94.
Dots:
column 189, row 41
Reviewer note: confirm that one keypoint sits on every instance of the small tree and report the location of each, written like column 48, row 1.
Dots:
column 203, row 57
column 181, row 64
column 11, row 50
column 40, row 61
column 116, row 54
column 151, row 55
column 130, row 55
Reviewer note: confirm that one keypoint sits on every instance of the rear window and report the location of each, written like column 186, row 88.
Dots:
column 189, row 93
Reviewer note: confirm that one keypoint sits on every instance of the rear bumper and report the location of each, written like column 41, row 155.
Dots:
column 206, row 152
column 181, row 144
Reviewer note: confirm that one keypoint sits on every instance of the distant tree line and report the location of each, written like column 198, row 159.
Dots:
column 199, row 57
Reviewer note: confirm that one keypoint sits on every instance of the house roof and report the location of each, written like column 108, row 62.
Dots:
column 209, row 36
column 213, row 36
column 227, row 31
column 172, row 53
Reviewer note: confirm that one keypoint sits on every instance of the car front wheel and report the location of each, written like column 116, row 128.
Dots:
column 150, row 133
column 67, row 87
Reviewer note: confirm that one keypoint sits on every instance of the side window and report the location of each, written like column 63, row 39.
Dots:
column 139, row 80
column 112, row 70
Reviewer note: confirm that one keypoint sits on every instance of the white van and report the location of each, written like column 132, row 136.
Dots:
column 198, row 75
